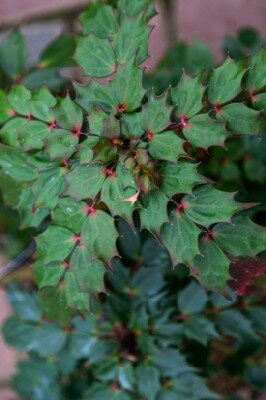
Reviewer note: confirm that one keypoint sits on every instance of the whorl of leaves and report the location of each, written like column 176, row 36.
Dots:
column 118, row 150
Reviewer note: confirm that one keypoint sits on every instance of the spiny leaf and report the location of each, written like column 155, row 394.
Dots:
column 98, row 19
column 55, row 244
column 127, row 86
column 69, row 214
column 19, row 98
column 200, row 329
column 33, row 134
column 47, row 188
column 88, row 273
column 9, row 133
column 30, row 216
column 58, row 53
column 99, row 235
column 180, row 237
column 179, row 178
column 94, row 92
column 241, row 238
column 61, row 144
column 256, row 75
column 166, row 146
column 75, row 298
column 15, row 164
column 131, row 126
column 212, row 266
column 68, row 114
column 155, row 115
column 241, row 119
column 225, row 82
column 187, row 96
column 84, row 182
column 155, row 214
column 96, row 56
column 131, row 38
column 203, row 131
column 209, row 205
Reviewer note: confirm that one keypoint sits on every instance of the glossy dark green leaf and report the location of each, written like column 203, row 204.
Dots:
column 155, row 116
column 192, row 299
column 187, row 96
column 33, row 135
column 148, row 381
column 241, row 119
column 256, row 75
column 61, row 144
column 95, row 56
column 15, row 164
column 241, row 238
column 166, row 146
column 179, row 178
column 84, row 182
column 212, row 266
column 55, row 244
column 98, row 19
column 203, row 131
column 225, row 82
column 155, row 214
column 209, row 205
column 47, row 188
column 200, row 329
column 69, row 214
column 68, row 114
column 180, row 237
column 99, row 235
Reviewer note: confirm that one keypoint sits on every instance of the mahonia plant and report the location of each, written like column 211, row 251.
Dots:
column 119, row 151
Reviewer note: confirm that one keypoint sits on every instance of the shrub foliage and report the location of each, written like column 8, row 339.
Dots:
column 117, row 151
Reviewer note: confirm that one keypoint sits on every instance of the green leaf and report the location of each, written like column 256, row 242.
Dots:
column 94, row 92
column 47, row 188
column 30, row 216
column 241, row 119
column 52, row 274
column 13, row 54
column 88, row 273
column 95, row 56
column 49, row 296
column 84, row 151
column 68, row 114
column 19, row 99
column 98, row 19
column 30, row 379
column 233, row 323
column 192, row 299
column 187, row 96
column 155, row 214
column 225, row 82
column 61, row 144
column 259, row 102
column 99, row 235
column 75, row 298
column 84, row 182
column 14, row 164
column 132, row 38
column 55, row 244
column 33, row 134
column 127, row 86
column 212, row 266
column 148, row 381
column 200, row 329
column 203, row 131
column 69, row 214
column 131, row 126
column 170, row 362
column 209, row 205
column 180, row 237
column 113, row 194
column 241, row 238
column 9, row 133
column 155, row 116
column 256, row 75
column 166, row 146
column 23, row 303
column 58, row 53
column 179, row 178
column 5, row 110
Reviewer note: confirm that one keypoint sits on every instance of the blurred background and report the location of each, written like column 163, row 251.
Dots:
column 211, row 28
